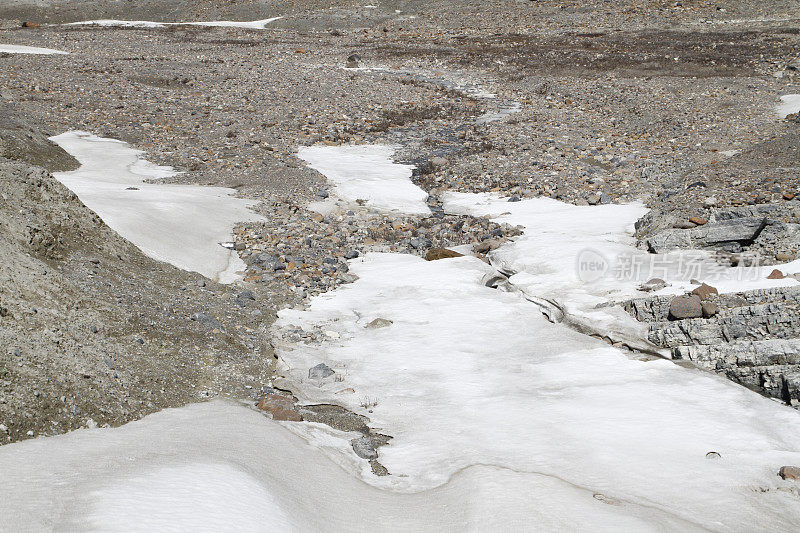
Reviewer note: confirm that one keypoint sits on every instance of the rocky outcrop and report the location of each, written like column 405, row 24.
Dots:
column 752, row 337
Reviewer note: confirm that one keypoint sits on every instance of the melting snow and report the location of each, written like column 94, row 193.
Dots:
column 253, row 25
column 222, row 467
column 367, row 173
column 19, row 49
column 790, row 104
column 180, row 224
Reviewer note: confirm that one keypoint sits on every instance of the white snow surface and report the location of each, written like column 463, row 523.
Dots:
column 466, row 375
column 219, row 466
column 252, row 25
column 179, row 224
column 20, row 49
column 366, row 172
column 547, row 260
column 790, row 104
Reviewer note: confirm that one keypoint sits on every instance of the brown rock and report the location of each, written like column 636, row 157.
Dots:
column 784, row 256
column 698, row 220
column 788, row 196
column 685, row 307
column 709, row 309
column 790, row 472
column 705, row 291
column 441, row 253
column 776, row 274
column 281, row 408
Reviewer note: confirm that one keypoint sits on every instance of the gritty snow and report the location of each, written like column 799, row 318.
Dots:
column 219, row 466
column 180, row 224
column 790, row 104
column 367, row 173
column 19, row 49
column 252, row 25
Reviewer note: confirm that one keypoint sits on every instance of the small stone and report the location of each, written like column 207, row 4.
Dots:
column 321, row 371
column 93, row 329
column 790, row 472
column 654, row 284
column 705, row 291
column 352, row 254
column 710, row 201
column 684, row 224
column 364, row 448
column 206, row 320
column 776, row 274
column 593, row 199
column 698, row 220
column 322, row 193
column 514, row 199
column 713, row 455
column 246, row 295
column 379, row 323
column 709, row 309
column 783, row 256
column 434, row 254
column 788, row 196
column 353, row 61
column 685, row 307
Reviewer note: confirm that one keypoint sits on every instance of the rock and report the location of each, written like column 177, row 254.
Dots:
column 364, row 448
column 353, row 61
column 684, row 224
column 281, row 408
column 321, row 371
column 776, row 274
column 783, row 256
column 654, row 284
column 700, row 221
column 420, row 242
column 705, row 291
column 738, row 231
column 709, row 309
column 788, row 196
column 514, row 198
column 206, row 320
column 352, row 254
column 246, row 295
column 790, row 472
column 710, row 201
column 437, row 163
column 435, row 254
column 593, row 199
column 379, row 323
column 322, row 193
column 685, row 307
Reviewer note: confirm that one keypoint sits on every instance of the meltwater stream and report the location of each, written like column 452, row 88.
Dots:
column 501, row 419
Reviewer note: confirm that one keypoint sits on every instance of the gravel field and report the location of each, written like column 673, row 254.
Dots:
column 670, row 103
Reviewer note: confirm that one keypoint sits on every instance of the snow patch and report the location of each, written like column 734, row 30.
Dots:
column 180, row 224
column 19, row 49
column 252, row 25
column 223, row 467
column 366, row 173
column 790, row 104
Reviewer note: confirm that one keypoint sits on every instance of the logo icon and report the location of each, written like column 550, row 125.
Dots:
column 591, row 265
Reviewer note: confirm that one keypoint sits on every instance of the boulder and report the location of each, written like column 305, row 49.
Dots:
column 435, row 254
column 685, row 307
column 790, row 472
column 321, row 371
column 776, row 274
column 705, row 291
column 735, row 231
column 281, row 407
